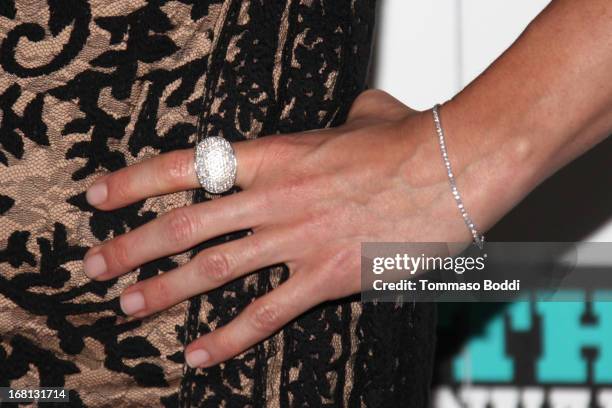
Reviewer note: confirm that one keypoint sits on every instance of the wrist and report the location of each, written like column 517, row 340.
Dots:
column 491, row 169
column 498, row 161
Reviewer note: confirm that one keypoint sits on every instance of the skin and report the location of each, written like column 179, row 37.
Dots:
column 312, row 198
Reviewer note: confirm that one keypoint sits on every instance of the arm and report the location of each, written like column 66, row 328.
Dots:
column 544, row 102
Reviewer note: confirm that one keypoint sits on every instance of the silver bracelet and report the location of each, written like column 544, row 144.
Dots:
column 478, row 238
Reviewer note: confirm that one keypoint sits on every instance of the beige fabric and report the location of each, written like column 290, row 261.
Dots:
column 42, row 183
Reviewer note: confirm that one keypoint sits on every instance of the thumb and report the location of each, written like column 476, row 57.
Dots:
column 377, row 104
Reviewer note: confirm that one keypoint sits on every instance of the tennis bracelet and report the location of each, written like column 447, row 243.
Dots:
column 478, row 238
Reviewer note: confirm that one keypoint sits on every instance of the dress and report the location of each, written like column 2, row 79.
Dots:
column 90, row 86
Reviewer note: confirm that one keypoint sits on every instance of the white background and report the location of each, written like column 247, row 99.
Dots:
column 428, row 50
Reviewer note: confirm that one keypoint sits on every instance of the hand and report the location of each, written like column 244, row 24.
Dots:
column 310, row 200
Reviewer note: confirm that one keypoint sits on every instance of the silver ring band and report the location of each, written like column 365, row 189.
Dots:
column 215, row 164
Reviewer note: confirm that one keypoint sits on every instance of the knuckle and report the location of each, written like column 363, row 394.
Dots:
column 215, row 266
column 160, row 292
column 345, row 259
column 227, row 344
column 120, row 253
column 120, row 188
column 175, row 166
column 296, row 186
column 279, row 147
column 343, row 271
column 265, row 199
column 181, row 225
column 266, row 317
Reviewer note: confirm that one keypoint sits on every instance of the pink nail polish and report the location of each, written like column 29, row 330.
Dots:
column 94, row 265
column 97, row 194
column 132, row 303
column 197, row 358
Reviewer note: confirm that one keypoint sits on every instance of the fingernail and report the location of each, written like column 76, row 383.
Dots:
column 94, row 265
column 132, row 302
column 97, row 193
column 197, row 358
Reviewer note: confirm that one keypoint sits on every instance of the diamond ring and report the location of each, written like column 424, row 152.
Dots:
column 215, row 164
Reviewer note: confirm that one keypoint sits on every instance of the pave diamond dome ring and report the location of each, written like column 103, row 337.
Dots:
column 215, row 164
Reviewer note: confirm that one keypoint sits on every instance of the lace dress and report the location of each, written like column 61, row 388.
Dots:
column 88, row 87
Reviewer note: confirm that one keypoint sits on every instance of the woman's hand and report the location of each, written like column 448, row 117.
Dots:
column 310, row 199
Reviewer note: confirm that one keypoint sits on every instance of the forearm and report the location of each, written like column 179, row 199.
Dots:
column 544, row 102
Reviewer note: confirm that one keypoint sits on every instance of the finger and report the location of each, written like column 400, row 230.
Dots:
column 163, row 174
column 258, row 321
column 210, row 269
column 173, row 232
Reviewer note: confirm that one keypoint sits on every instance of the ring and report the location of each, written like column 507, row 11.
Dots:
column 215, row 164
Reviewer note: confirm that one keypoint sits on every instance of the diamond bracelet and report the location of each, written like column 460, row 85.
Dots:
column 478, row 238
